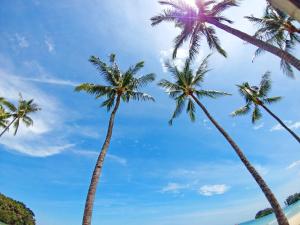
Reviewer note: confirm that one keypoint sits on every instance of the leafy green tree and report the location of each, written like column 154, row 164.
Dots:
column 292, row 199
column 278, row 29
column 121, row 86
column 195, row 23
column 256, row 97
column 263, row 213
column 21, row 114
column 14, row 212
column 186, row 90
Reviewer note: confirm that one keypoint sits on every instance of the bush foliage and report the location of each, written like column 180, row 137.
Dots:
column 292, row 199
column 263, row 213
column 14, row 212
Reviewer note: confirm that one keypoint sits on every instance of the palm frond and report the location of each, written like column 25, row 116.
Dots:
column 180, row 103
column 140, row 96
column 109, row 103
column 168, row 86
column 213, row 40
column 272, row 100
column 191, row 110
column 136, row 68
column 6, row 103
column 222, row 6
column 256, row 115
column 97, row 90
column 265, row 85
column 180, row 39
column 210, row 93
column 242, row 111
column 144, row 80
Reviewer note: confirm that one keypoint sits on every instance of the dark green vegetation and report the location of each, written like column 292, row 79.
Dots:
column 120, row 86
column 292, row 199
column 263, row 213
column 14, row 212
column 16, row 114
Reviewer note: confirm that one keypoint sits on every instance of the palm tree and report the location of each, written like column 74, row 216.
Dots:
column 257, row 97
column 4, row 114
column 277, row 28
column 186, row 89
column 195, row 23
column 21, row 114
column 120, row 86
column 291, row 7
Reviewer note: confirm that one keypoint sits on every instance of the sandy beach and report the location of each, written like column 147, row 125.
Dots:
column 295, row 220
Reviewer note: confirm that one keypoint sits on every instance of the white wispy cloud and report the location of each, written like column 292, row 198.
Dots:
column 174, row 188
column 114, row 158
column 42, row 76
column 21, row 41
column 292, row 125
column 210, row 190
column 182, row 54
column 49, row 44
column 259, row 126
column 39, row 140
column 293, row 165
column 261, row 169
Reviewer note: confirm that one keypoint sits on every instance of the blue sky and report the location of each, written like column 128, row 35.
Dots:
column 154, row 174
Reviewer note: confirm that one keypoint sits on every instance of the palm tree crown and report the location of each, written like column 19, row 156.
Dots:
column 185, row 85
column 193, row 22
column 119, row 84
column 5, row 107
column 21, row 113
column 277, row 28
column 255, row 97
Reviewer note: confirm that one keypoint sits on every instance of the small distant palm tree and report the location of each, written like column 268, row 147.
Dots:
column 277, row 28
column 5, row 105
column 195, row 22
column 21, row 114
column 186, row 90
column 257, row 97
column 120, row 86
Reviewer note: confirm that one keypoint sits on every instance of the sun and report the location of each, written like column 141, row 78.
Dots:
column 190, row 2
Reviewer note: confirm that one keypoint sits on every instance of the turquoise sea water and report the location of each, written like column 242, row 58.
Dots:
column 271, row 220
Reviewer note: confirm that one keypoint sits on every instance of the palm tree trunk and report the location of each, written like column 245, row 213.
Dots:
column 258, row 43
column 88, row 210
column 281, row 123
column 8, row 126
column 281, row 218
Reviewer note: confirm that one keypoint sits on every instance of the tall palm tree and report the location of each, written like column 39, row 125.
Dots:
column 21, row 114
column 195, row 23
column 120, row 86
column 257, row 97
column 277, row 28
column 186, row 89
column 4, row 114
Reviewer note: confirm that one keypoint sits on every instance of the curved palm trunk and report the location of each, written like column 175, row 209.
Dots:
column 281, row 218
column 8, row 126
column 281, row 123
column 88, row 210
column 258, row 43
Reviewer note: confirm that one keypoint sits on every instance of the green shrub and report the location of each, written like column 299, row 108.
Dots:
column 292, row 199
column 263, row 213
column 15, row 213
